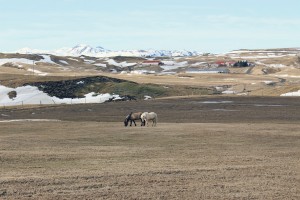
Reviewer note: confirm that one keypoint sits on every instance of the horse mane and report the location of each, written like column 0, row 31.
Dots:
column 128, row 117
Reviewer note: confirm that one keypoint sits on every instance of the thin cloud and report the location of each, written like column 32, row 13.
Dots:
column 230, row 19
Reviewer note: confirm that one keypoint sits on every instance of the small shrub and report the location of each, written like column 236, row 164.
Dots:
column 12, row 94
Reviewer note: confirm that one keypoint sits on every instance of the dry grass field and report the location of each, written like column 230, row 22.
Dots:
column 202, row 148
column 197, row 79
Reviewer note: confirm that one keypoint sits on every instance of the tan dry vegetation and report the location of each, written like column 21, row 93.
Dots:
column 196, row 79
column 15, row 80
column 239, row 148
column 255, row 84
column 276, row 90
column 240, row 83
column 286, row 60
column 90, row 160
column 237, row 78
column 288, row 73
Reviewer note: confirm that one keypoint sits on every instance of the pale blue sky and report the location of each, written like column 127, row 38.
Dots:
column 208, row 26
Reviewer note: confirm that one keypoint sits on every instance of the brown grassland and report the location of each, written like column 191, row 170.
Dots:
column 202, row 148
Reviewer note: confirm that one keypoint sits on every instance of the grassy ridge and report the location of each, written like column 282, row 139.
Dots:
column 140, row 90
column 69, row 87
column 126, row 88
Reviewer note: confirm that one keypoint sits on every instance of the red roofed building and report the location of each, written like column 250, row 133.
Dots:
column 221, row 63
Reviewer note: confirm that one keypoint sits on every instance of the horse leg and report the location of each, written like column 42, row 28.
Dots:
column 142, row 122
column 134, row 122
column 130, row 122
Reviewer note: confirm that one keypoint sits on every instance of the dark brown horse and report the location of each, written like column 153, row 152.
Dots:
column 132, row 117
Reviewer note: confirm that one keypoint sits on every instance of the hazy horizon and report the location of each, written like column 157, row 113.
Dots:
column 206, row 26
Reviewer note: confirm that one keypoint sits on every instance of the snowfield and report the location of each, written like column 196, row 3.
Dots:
column 171, row 65
column 15, row 60
column 291, row 94
column 32, row 95
column 46, row 59
column 121, row 64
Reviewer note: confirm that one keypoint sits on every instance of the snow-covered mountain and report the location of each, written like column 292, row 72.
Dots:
column 83, row 49
column 87, row 50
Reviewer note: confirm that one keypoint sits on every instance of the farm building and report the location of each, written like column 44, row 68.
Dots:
column 221, row 63
column 224, row 64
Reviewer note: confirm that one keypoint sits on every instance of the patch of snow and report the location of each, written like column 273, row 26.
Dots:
column 121, row 64
column 146, row 97
column 216, row 102
column 32, row 95
column 116, row 98
column 277, row 65
column 268, row 82
column 80, row 82
column 89, row 61
column 257, row 57
column 228, row 92
column 291, row 94
column 169, row 62
column 185, row 77
column 64, row 62
column 37, row 72
column 100, row 65
column 287, row 75
column 173, row 65
column 142, row 72
column 167, row 73
column 47, row 59
column 74, row 59
column 218, row 88
column 15, row 60
column 30, row 120
column 242, row 94
column 199, row 63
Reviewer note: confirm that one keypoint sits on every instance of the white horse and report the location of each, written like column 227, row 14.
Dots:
column 146, row 117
